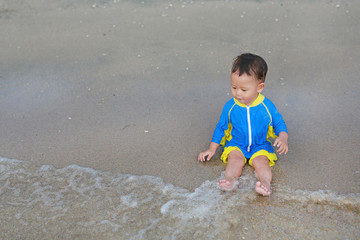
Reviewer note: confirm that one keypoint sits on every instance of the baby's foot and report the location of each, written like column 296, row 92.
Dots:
column 261, row 189
column 226, row 185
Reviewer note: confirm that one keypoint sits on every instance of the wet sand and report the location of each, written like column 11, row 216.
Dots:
column 137, row 87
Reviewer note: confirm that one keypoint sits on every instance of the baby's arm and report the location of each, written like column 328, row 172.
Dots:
column 219, row 133
column 282, row 143
column 208, row 154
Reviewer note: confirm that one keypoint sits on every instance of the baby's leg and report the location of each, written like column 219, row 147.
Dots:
column 263, row 172
column 233, row 170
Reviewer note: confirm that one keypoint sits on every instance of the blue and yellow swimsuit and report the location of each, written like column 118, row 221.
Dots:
column 249, row 129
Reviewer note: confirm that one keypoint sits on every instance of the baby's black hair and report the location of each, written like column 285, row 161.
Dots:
column 250, row 64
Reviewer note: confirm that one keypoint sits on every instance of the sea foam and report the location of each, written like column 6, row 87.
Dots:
column 75, row 202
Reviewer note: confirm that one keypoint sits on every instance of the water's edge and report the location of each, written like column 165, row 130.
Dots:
column 82, row 203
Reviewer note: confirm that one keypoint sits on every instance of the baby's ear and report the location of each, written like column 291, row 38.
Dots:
column 260, row 87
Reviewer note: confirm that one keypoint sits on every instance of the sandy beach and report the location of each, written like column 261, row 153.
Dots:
column 137, row 87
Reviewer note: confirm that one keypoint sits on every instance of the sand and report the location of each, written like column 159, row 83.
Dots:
column 137, row 87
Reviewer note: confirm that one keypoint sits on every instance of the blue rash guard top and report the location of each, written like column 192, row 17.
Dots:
column 249, row 127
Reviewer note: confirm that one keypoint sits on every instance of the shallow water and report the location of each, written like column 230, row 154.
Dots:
column 42, row 202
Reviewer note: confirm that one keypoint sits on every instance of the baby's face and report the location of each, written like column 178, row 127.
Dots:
column 245, row 88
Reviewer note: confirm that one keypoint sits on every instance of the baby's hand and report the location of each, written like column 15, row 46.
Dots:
column 206, row 155
column 282, row 143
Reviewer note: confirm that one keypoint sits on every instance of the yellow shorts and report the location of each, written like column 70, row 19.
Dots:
column 271, row 156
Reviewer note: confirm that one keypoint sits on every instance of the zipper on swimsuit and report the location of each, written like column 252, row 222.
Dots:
column 249, row 126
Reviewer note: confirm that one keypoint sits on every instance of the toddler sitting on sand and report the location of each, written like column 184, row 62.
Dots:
column 246, row 123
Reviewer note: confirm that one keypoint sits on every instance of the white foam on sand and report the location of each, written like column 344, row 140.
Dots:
column 77, row 201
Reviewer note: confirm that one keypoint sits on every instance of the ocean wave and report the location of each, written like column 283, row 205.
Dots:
column 76, row 202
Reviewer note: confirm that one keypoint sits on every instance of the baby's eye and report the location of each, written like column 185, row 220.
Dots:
column 244, row 90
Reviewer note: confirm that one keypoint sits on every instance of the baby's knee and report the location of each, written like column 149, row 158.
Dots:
column 260, row 161
column 237, row 157
column 241, row 161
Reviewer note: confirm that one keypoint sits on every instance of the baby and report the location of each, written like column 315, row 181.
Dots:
column 246, row 123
